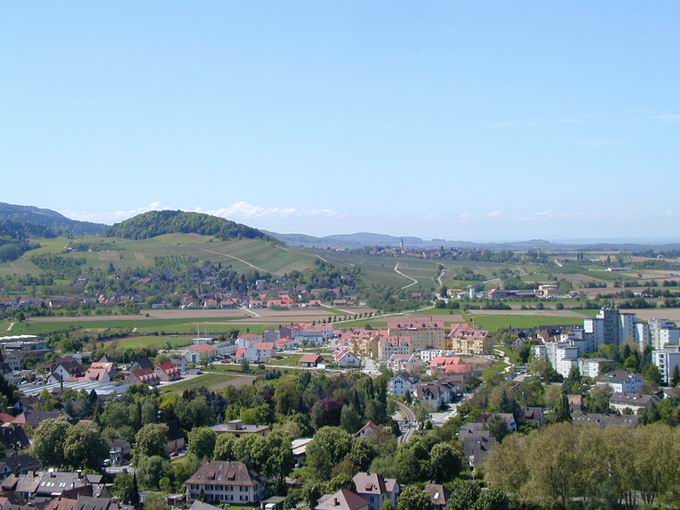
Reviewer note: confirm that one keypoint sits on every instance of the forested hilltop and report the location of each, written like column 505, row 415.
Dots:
column 55, row 223
column 155, row 223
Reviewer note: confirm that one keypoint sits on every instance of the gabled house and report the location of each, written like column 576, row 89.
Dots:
column 65, row 368
column 344, row 499
column 477, row 443
column 225, row 482
column 146, row 376
column 368, row 429
column 434, row 395
column 168, row 372
column 376, row 489
column 439, row 495
column 310, row 360
column 621, row 381
column 346, row 358
column 401, row 384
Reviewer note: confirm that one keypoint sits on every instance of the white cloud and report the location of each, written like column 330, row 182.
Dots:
column 495, row 214
column 246, row 211
column 238, row 211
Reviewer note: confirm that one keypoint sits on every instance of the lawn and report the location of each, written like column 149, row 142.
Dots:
column 496, row 322
column 213, row 381
column 292, row 360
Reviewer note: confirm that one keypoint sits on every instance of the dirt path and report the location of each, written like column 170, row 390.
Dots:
column 236, row 258
column 11, row 325
column 251, row 312
column 413, row 282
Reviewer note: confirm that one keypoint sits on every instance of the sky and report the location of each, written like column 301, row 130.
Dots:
column 469, row 120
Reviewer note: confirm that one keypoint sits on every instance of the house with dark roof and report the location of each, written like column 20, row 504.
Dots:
column 632, row 403
column 344, row 499
column 376, row 489
column 13, row 438
column 439, row 495
column 32, row 417
column 225, row 482
column 605, row 420
column 477, row 443
column 18, row 465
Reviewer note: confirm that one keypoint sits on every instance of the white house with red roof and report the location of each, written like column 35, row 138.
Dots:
column 168, row 372
column 346, row 359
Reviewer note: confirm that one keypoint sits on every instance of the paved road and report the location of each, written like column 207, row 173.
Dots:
column 414, row 281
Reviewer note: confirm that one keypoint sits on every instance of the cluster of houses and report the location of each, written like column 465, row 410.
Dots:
column 414, row 336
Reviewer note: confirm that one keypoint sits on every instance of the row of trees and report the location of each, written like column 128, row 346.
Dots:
column 603, row 467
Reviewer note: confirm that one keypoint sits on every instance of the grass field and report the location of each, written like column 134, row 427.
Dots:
column 496, row 322
column 162, row 326
column 158, row 342
column 213, row 381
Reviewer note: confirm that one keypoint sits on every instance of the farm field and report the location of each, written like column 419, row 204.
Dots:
column 244, row 255
column 153, row 341
column 211, row 380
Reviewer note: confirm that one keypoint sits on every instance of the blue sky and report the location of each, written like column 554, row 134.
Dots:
column 461, row 120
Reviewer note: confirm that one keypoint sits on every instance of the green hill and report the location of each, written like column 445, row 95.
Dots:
column 155, row 223
column 56, row 223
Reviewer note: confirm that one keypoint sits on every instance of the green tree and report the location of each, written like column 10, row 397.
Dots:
column 412, row 462
column 202, row 442
column 150, row 470
column 124, row 488
column 497, row 427
column 445, row 463
column 48, row 442
column 362, row 454
column 329, row 447
column 464, row 495
column 652, row 375
column 151, row 440
column 225, row 447
column 492, row 499
column 85, row 447
column 563, row 411
column 350, row 419
column 675, row 378
column 414, row 498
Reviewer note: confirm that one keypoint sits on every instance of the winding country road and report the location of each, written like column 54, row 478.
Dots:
column 413, row 282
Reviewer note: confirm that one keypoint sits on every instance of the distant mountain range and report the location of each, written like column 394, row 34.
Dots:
column 366, row 240
column 163, row 222
column 56, row 222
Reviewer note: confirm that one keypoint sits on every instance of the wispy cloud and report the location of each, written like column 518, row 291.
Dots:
column 238, row 211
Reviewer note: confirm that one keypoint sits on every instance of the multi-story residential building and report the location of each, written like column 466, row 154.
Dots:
column 16, row 350
column 376, row 489
column 467, row 340
column 622, row 402
column 606, row 327
column 425, row 332
column 387, row 346
column 643, row 335
column 405, row 363
column 627, row 329
column 663, row 332
column 592, row 367
column 225, row 482
column 561, row 355
column 667, row 360
column 621, row 381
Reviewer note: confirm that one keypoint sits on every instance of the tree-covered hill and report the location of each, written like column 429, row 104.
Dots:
column 155, row 223
column 57, row 223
